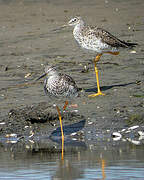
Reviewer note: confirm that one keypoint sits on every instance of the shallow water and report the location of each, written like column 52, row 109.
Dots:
column 106, row 160
column 30, row 37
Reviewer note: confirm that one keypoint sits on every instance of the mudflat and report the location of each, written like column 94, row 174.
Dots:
column 31, row 37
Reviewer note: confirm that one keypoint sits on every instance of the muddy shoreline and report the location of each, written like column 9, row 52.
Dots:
column 31, row 38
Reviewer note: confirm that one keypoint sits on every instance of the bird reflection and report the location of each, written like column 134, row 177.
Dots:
column 103, row 169
column 68, row 130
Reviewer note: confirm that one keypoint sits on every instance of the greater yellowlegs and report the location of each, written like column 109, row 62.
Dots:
column 59, row 87
column 97, row 40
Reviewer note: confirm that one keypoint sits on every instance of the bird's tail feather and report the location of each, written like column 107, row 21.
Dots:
column 129, row 44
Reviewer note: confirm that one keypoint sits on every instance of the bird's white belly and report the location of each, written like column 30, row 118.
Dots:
column 93, row 44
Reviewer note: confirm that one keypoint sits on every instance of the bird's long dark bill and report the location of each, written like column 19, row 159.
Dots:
column 59, row 28
column 43, row 75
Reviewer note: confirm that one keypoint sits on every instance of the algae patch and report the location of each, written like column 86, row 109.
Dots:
column 135, row 119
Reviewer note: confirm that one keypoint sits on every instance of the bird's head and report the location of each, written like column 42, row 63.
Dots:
column 49, row 70
column 74, row 21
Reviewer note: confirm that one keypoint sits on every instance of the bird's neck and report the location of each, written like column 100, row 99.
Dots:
column 79, row 26
column 78, row 29
column 52, row 73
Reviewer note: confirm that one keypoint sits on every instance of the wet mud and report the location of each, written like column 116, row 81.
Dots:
column 31, row 37
column 35, row 119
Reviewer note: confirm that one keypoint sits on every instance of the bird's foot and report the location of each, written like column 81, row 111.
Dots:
column 113, row 53
column 97, row 94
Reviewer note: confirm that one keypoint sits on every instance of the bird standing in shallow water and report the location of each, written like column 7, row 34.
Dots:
column 59, row 87
column 97, row 40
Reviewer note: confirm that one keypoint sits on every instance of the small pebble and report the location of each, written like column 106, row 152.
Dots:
column 140, row 133
column 10, row 135
column 2, row 123
column 133, row 127
column 27, row 75
column 75, row 110
column 31, row 141
column 73, row 134
column 116, row 134
column 27, row 147
column 26, row 126
column 116, row 138
column 31, row 134
column 123, row 130
column 118, row 111
column 89, row 122
column 133, row 52
column 128, row 131
column 12, row 142
column 74, row 139
column 134, row 142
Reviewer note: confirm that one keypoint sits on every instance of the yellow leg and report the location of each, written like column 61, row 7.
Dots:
column 66, row 103
column 96, row 71
column 62, row 153
column 97, row 78
column 62, row 134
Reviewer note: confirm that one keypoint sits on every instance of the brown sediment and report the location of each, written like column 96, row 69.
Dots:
column 31, row 37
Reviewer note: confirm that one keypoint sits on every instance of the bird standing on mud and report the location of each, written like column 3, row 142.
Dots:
column 59, row 87
column 96, row 40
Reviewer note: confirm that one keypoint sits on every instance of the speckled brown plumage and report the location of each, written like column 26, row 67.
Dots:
column 105, row 37
column 60, row 86
column 95, row 38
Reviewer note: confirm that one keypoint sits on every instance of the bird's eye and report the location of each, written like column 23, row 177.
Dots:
column 74, row 20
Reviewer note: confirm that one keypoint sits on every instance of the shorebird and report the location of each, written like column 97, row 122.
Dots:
column 59, row 87
column 97, row 40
